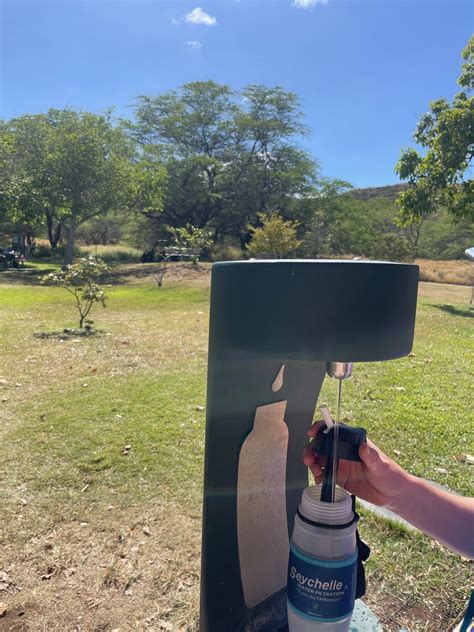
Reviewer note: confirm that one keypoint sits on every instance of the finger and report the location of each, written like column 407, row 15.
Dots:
column 317, row 472
column 315, row 428
column 364, row 452
column 309, row 456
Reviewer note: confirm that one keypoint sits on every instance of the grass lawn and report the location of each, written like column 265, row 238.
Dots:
column 95, row 536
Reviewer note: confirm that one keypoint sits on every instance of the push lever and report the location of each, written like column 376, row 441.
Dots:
column 348, row 442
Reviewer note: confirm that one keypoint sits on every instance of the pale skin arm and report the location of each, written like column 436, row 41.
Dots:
column 445, row 517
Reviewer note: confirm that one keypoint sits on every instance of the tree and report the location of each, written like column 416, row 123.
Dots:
column 105, row 229
column 69, row 167
column 440, row 178
column 82, row 280
column 24, row 173
column 343, row 224
column 275, row 237
column 229, row 155
column 191, row 240
column 442, row 238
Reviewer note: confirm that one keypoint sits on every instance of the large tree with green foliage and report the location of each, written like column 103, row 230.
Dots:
column 440, row 178
column 67, row 167
column 229, row 155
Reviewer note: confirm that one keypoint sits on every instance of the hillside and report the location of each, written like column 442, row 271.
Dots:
column 389, row 191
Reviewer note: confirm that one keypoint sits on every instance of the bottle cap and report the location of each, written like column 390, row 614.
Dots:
column 349, row 441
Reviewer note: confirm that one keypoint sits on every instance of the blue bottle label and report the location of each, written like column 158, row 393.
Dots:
column 321, row 590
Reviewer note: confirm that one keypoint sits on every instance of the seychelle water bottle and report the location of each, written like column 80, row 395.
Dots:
column 322, row 569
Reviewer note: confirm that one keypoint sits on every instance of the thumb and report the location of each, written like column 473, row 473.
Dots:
column 369, row 456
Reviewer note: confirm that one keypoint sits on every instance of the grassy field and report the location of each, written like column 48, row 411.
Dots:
column 111, row 253
column 457, row 272
column 102, row 455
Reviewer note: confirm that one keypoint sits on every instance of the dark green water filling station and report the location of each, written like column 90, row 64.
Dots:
column 276, row 329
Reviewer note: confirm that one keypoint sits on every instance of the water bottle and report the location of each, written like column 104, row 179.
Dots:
column 323, row 564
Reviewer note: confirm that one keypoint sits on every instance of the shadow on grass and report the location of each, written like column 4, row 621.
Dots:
column 466, row 312
column 86, row 332
column 31, row 275
column 25, row 276
column 120, row 273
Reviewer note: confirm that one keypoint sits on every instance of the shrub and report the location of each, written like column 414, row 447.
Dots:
column 43, row 251
column 275, row 238
column 81, row 280
column 191, row 239
column 226, row 252
column 112, row 253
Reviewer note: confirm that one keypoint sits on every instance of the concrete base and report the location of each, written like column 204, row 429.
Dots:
column 363, row 619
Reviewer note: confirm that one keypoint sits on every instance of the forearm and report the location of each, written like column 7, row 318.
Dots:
column 444, row 516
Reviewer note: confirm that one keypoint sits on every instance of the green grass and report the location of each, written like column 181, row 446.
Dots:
column 69, row 407
column 129, row 297
column 156, row 416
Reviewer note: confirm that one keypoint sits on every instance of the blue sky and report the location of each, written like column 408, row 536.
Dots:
column 364, row 69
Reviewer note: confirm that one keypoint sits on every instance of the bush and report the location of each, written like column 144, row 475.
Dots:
column 275, row 238
column 392, row 247
column 191, row 239
column 82, row 280
column 226, row 252
column 43, row 251
column 112, row 253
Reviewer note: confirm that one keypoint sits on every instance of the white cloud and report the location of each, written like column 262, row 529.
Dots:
column 198, row 16
column 194, row 44
column 308, row 4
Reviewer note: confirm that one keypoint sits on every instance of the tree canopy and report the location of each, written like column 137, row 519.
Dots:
column 229, row 155
column 440, row 177
column 208, row 162
column 66, row 167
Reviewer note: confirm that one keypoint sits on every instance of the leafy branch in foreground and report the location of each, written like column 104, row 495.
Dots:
column 82, row 280
column 440, row 178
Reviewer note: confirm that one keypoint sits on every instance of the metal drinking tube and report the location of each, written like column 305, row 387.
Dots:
column 341, row 371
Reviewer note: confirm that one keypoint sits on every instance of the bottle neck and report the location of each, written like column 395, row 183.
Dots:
column 338, row 512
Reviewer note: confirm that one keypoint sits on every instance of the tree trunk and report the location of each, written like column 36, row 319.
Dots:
column 54, row 232
column 71, row 236
column 49, row 221
column 57, row 235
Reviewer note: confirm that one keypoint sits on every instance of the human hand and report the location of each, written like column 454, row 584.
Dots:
column 376, row 478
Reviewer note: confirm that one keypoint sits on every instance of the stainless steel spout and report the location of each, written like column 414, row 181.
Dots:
column 339, row 370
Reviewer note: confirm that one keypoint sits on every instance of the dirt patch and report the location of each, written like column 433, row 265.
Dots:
column 86, row 332
column 131, row 570
column 397, row 611
column 176, row 272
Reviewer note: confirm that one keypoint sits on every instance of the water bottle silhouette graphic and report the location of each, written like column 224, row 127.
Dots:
column 261, row 505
